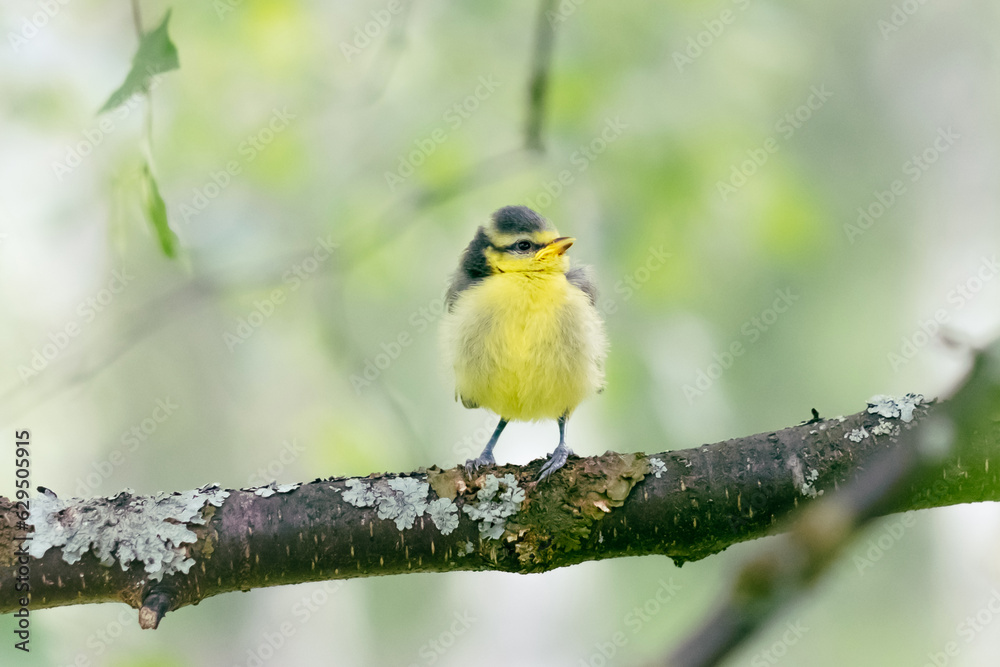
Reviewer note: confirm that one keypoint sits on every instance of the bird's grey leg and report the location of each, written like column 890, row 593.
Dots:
column 558, row 457
column 486, row 458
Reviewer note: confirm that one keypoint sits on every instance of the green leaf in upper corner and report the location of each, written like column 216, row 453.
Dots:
column 156, row 211
column 156, row 54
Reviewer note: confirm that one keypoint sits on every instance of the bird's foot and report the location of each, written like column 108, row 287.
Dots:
column 484, row 459
column 556, row 460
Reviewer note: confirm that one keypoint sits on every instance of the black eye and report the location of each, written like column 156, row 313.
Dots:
column 523, row 245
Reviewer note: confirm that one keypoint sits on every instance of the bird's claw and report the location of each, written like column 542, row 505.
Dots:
column 482, row 460
column 556, row 460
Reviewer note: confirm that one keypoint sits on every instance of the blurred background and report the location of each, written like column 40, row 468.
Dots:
column 813, row 185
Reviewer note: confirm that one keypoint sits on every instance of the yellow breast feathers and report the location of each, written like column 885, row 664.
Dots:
column 526, row 345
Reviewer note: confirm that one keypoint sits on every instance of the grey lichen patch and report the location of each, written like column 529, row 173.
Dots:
column 857, row 435
column 495, row 505
column 360, row 493
column 124, row 528
column 803, row 480
column 885, row 428
column 807, row 488
column 657, row 467
column 401, row 499
column 269, row 490
column 895, row 407
column 444, row 514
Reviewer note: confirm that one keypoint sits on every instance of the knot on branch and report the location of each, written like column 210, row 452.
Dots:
column 154, row 606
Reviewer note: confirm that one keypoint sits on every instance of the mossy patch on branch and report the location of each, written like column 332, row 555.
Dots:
column 447, row 483
column 559, row 513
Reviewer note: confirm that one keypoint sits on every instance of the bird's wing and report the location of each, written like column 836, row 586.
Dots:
column 582, row 278
column 459, row 283
column 472, row 268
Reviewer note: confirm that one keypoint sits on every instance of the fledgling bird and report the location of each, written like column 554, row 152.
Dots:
column 522, row 329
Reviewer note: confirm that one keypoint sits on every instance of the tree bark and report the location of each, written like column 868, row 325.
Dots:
column 685, row 504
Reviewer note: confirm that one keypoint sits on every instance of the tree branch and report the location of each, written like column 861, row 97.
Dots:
column 179, row 549
column 906, row 475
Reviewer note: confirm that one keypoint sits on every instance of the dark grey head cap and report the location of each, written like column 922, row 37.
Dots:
column 519, row 220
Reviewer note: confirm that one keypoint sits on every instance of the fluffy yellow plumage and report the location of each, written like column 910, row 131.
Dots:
column 522, row 333
column 521, row 345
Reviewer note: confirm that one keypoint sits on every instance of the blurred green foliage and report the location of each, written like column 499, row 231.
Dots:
column 271, row 143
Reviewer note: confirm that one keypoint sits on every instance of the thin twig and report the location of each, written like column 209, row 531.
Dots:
column 137, row 18
column 538, row 85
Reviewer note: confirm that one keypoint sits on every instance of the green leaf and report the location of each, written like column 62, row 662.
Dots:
column 156, row 54
column 156, row 211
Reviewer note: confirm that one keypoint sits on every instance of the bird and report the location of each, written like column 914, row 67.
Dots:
column 521, row 328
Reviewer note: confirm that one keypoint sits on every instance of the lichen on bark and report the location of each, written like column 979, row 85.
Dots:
column 156, row 531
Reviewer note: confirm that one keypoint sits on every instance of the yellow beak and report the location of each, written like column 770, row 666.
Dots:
column 555, row 248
